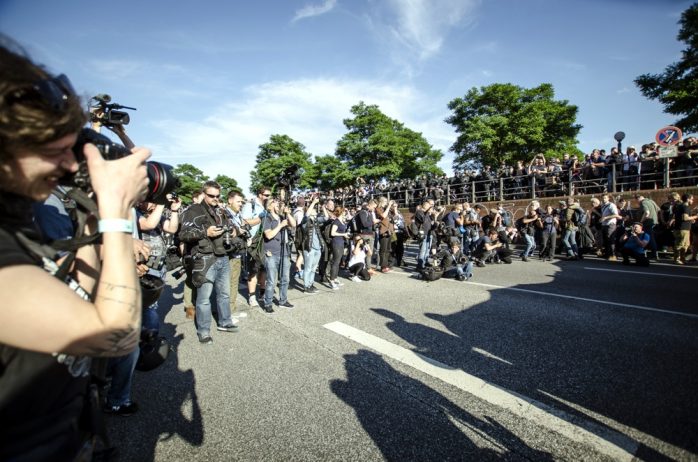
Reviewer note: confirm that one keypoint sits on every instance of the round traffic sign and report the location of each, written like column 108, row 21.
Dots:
column 669, row 136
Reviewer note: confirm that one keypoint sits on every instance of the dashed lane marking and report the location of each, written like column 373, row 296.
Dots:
column 604, row 440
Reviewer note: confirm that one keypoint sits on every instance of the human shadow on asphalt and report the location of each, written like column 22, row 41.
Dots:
column 167, row 401
column 589, row 358
column 408, row 421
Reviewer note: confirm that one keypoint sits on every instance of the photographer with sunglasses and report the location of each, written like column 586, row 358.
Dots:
column 204, row 230
column 51, row 327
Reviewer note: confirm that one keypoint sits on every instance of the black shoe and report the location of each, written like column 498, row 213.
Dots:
column 311, row 290
column 205, row 339
column 124, row 410
column 626, row 261
column 230, row 328
column 479, row 264
column 460, row 277
column 268, row 308
column 524, row 258
column 286, row 304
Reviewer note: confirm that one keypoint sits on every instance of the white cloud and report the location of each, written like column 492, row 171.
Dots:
column 310, row 11
column 310, row 111
column 421, row 25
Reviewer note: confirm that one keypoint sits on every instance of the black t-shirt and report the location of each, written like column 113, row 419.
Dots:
column 39, row 392
column 679, row 211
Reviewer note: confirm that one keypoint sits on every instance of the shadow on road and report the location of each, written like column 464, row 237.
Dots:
column 403, row 431
column 168, row 404
column 638, row 369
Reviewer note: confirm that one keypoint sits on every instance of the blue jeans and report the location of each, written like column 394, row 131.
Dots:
column 569, row 240
column 151, row 319
column 530, row 245
column 121, row 371
column 311, row 258
column 424, row 248
column 219, row 273
column 273, row 266
column 465, row 270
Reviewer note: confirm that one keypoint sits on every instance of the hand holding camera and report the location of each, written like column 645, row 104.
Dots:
column 214, row 231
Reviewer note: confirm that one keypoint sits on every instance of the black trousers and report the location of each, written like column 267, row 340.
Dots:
column 384, row 252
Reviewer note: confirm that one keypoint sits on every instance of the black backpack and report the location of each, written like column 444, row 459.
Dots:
column 327, row 232
column 580, row 217
column 432, row 273
column 356, row 224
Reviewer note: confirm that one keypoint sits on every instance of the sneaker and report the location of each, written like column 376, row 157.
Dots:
column 124, row 410
column 286, row 304
column 252, row 301
column 338, row 282
column 356, row 279
column 205, row 339
column 239, row 314
column 268, row 308
column 460, row 277
column 312, row 290
column 298, row 275
column 524, row 258
column 479, row 264
column 334, row 285
column 230, row 328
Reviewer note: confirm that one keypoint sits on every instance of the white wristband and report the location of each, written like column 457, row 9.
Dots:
column 115, row 225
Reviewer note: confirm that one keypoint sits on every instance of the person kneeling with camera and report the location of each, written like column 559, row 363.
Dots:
column 453, row 262
column 634, row 243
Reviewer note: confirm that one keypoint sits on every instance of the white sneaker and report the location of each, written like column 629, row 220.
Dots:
column 334, row 285
column 239, row 314
column 356, row 279
column 252, row 301
column 340, row 284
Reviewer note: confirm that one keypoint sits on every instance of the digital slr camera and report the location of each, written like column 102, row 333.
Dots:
column 161, row 179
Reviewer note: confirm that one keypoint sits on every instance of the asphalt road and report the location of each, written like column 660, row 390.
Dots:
column 584, row 360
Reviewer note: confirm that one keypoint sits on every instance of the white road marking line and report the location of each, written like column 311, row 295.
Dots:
column 604, row 440
column 487, row 354
column 647, row 273
column 584, row 299
column 572, row 297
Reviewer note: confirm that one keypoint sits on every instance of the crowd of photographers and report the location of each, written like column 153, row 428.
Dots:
column 89, row 229
column 595, row 173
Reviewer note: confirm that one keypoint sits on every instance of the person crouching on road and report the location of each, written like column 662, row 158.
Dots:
column 357, row 263
column 454, row 263
column 634, row 243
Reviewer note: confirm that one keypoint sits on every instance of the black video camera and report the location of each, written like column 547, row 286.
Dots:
column 110, row 115
column 161, row 179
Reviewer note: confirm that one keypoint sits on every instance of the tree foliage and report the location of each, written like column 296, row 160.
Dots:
column 377, row 146
column 329, row 172
column 677, row 87
column 191, row 179
column 228, row 184
column 503, row 122
column 281, row 159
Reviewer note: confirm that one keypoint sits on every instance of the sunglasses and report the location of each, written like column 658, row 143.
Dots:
column 213, row 196
column 266, row 195
column 54, row 92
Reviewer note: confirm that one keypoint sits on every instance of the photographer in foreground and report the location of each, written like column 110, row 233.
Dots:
column 44, row 363
column 634, row 243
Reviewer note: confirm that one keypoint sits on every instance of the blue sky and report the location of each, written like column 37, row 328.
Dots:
column 212, row 80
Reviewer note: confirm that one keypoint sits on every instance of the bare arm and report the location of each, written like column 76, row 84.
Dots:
column 61, row 320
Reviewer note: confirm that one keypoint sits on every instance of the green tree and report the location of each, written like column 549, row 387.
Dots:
column 280, row 159
column 377, row 146
column 677, row 87
column 228, row 184
column 191, row 179
column 331, row 172
column 503, row 122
